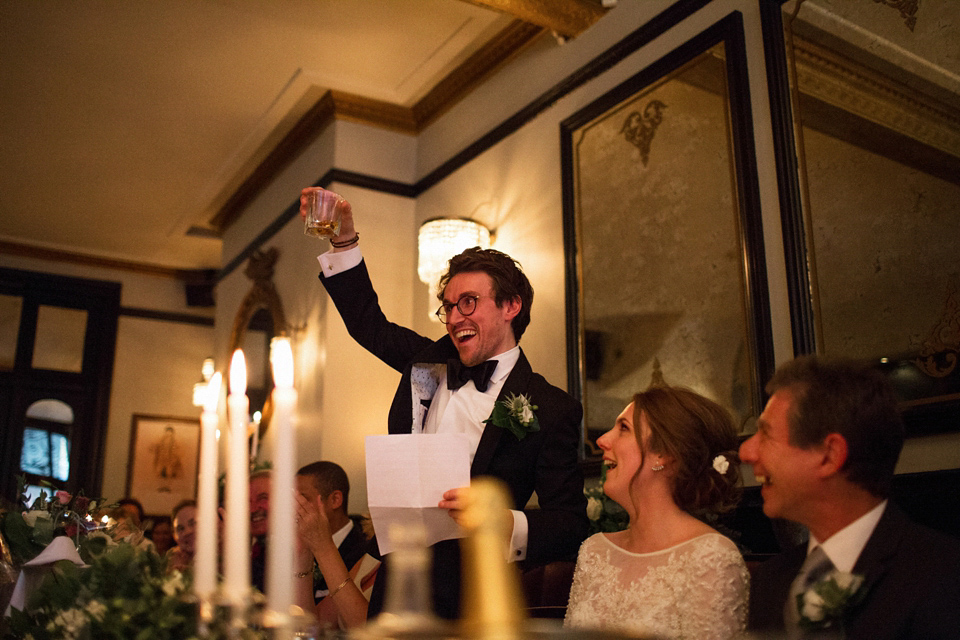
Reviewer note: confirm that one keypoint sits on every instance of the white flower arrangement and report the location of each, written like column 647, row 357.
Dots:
column 826, row 602
column 594, row 508
column 721, row 464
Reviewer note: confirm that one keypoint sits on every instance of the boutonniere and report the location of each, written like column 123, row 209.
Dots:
column 825, row 603
column 516, row 415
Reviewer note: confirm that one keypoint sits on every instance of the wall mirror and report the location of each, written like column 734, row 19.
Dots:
column 259, row 319
column 876, row 104
column 665, row 273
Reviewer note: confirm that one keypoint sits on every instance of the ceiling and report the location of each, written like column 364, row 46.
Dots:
column 125, row 124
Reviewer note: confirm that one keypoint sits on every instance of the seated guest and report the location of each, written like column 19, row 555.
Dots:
column 184, row 517
column 162, row 534
column 825, row 451
column 336, row 544
column 670, row 454
column 133, row 508
column 326, row 483
column 259, row 525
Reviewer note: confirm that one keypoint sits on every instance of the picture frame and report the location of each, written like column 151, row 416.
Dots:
column 164, row 457
column 635, row 317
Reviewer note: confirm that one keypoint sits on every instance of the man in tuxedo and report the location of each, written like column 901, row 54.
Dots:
column 825, row 451
column 451, row 386
column 325, row 484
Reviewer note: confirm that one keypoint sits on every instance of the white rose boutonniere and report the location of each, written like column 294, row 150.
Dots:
column 516, row 415
column 825, row 603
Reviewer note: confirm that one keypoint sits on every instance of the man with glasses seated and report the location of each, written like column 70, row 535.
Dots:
column 452, row 386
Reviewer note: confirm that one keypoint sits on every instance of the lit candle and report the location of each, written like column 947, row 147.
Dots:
column 255, row 446
column 205, row 559
column 282, row 547
column 237, row 545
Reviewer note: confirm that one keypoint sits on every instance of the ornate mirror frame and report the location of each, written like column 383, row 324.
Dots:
column 261, row 296
column 722, row 46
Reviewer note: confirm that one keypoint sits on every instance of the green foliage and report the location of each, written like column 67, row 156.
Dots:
column 605, row 515
column 124, row 594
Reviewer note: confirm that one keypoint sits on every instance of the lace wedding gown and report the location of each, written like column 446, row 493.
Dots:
column 697, row 589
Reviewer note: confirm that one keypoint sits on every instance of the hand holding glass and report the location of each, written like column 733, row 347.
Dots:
column 324, row 210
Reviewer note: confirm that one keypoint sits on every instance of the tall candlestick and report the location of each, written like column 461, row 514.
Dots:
column 237, row 548
column 282, row 547
column 205, row 559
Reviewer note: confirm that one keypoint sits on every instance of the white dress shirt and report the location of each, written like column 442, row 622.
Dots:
column 845, row 546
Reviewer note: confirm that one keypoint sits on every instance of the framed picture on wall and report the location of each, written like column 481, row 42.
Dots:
column 163, row 461
column 666, row 279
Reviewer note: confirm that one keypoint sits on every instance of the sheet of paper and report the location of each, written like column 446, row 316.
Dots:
column 406, row 478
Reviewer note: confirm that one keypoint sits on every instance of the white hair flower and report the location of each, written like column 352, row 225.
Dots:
column 721, row 464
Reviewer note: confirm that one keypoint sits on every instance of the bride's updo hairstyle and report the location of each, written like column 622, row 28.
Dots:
column 693, row 431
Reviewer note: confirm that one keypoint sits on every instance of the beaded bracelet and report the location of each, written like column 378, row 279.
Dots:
column 346, row 243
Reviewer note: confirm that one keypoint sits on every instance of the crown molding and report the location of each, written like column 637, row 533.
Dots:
column 842, row 83
column 353, row 108
column 70, row 257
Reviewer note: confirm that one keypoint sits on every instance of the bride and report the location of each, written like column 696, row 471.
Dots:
column 671, row 453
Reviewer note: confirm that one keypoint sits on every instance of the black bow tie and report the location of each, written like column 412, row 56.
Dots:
column 458, row 374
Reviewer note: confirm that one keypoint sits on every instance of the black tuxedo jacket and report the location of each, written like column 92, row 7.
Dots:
column 911, row 574
column 545, row 461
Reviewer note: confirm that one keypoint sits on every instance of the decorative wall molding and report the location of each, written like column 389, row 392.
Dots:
column 907, row 8
column 845, row 84
column 70, row 257
column 639, row 129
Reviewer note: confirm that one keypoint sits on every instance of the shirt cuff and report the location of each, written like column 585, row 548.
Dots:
column 333, row 263
column 518, row 541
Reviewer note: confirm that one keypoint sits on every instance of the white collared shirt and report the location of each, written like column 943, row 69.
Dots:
column 342, row 534
column 464, row 410
column 845, row 546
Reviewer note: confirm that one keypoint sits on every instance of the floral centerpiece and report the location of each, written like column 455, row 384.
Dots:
column 29, row 527
column 125, row 593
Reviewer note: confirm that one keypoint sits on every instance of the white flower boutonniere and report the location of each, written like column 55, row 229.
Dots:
column 826, row 602
column 516, row 415
column 721, row 464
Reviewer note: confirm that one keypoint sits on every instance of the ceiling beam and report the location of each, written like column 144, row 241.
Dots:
column 568, row 18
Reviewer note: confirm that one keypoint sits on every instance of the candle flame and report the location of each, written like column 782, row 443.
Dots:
column 213, row 393
column 238, row 373
column 281, row 357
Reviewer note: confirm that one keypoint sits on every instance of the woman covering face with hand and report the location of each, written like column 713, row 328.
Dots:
column 671, row 454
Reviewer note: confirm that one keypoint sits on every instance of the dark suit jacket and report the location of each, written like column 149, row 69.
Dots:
column 911, row 574
column 545, row 461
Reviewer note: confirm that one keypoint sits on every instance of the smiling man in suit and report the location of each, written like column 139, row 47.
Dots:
column 824, row 453
column 452, row 386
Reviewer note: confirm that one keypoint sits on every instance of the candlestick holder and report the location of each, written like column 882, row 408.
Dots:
column 223, row 617
column 296, row 624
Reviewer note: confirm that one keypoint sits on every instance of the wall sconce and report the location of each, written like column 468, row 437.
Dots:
column 439, row 240
column 200, row 388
